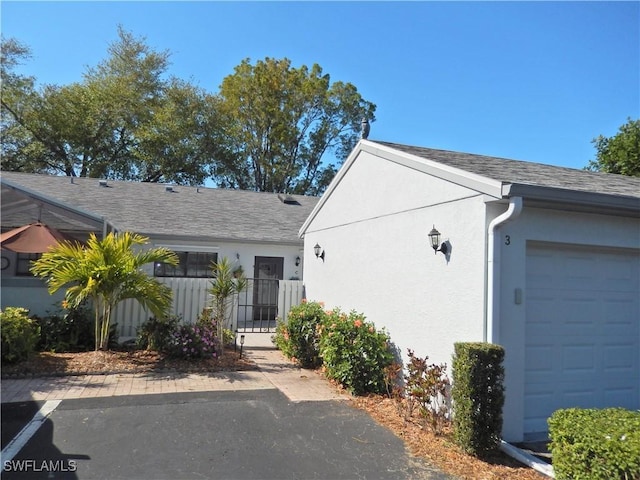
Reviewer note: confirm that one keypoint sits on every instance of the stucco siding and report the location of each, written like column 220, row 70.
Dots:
column 378, row 259
column 375, row 187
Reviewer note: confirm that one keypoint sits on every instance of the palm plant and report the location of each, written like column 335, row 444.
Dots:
column 106, row 272
column 224, row 287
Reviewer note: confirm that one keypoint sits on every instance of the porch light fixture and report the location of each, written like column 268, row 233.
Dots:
column 434, row 236
column 317, row 249
column 297, row 261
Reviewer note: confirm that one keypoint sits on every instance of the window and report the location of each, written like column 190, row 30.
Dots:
column 23, row 263
column 192, row 264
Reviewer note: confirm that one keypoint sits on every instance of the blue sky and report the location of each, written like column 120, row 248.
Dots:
column 532, row 81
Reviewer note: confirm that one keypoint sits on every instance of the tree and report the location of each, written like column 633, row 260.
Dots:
column 106, row 271
column 224, row 287
column 620, row 153
column 280, row 122
column 124, row 120
column 16, row 147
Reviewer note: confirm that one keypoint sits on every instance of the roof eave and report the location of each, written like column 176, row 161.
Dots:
column 559, row 198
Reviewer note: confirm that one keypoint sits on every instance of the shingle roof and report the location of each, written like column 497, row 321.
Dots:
column 528, row 173
column 149, row 209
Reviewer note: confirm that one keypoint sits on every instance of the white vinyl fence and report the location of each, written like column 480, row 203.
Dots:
column 190, row 296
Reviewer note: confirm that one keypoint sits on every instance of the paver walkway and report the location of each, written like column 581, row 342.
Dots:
column 274, row 372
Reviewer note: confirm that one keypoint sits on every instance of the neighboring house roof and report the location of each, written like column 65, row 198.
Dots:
column 184, row 212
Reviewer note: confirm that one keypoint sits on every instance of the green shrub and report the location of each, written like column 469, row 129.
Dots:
column 299, row 337
column 20, row 334
column 354, row 353
column 68, row 331
column 157, row 334
column 478, row 396
column 595, row 444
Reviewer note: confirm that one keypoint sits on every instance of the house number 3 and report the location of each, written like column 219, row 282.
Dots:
column 507, row 240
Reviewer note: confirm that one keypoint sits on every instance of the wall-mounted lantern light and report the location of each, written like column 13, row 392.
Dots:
column 317, row 249
column 297, row 261
column 434, row 236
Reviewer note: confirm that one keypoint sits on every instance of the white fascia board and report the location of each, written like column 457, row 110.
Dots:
column 332, row 186
column 559, row 198
column 436, row 169
column 51, row 201
column 457, row 176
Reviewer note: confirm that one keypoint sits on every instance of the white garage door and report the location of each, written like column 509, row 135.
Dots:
column 582, row 331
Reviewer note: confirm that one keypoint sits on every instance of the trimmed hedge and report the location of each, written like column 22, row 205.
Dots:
column 595, row 444
column 478, row 396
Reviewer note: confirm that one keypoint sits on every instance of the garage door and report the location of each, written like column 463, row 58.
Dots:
column 582, row 331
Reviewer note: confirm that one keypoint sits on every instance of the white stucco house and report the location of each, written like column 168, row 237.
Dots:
column 256, row 231
column 543, row 260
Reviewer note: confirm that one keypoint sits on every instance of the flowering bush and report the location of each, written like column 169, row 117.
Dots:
column 298, row 338
column 354, row 353
column 194, row 341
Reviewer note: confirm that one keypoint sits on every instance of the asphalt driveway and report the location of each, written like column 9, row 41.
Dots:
column 251, row 434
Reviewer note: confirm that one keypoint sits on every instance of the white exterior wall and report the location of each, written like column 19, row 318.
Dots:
column 379, row 261
column 543, row 226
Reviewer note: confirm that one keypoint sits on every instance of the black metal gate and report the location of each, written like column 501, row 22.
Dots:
column 258, row 306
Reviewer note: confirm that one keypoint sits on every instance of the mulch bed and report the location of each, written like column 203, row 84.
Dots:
column 44, row 364
column 440, row 450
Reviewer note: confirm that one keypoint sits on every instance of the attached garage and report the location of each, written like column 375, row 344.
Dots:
column 582, row 330
column 540, row 259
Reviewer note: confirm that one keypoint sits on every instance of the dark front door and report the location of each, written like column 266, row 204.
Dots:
column 267, row 272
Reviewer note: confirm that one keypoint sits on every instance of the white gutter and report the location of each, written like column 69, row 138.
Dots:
column 528, row 459
column 493, row 269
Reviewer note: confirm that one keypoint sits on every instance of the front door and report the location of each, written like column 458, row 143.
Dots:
column 267, row 272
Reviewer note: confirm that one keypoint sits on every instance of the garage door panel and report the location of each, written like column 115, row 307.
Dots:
column 619, row 312
column 582, row 331
column 578, row 359
column 624, row 397
column 577, row 397
column 619, row 357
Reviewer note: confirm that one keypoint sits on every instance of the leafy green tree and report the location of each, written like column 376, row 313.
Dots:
column 16, row 146
column 124, row 120
column 280, row 122
column 620, row 153
column 224, row 287
column 106, row 272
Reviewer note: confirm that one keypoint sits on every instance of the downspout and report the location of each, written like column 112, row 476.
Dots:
column 493, row 269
